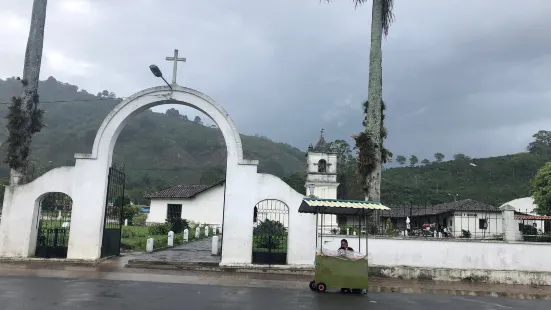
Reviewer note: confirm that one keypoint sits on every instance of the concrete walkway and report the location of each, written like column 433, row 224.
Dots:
column 192, row 252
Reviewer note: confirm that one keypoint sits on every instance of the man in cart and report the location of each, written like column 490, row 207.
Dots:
column 344, row 246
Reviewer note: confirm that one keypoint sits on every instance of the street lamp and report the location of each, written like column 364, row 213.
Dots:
column 157, row 73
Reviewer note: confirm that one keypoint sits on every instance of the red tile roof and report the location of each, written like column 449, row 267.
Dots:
column 533, row 217
column 183, row 191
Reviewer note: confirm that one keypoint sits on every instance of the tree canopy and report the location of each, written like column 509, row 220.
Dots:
column 541, row 190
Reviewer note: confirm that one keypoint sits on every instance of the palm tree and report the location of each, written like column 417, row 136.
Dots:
column 381, row 18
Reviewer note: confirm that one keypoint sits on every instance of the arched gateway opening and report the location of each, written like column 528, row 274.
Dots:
column 270, row 232
column 53, row 225
column 101, row 157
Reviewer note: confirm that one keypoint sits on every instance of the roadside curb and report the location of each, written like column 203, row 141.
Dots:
column 212, row 266
column 377, row 288
column 42, row 262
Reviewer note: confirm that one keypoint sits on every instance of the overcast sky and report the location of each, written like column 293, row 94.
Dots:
column 466, row 76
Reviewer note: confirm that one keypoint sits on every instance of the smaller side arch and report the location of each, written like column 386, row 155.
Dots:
column 270, row 232
column 53, row 224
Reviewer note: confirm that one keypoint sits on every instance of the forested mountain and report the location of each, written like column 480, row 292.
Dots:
column 157, row 150
column 162, row 150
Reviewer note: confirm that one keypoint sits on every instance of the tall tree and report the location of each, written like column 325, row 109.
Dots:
column 413, row 160
column 381, row 18
column 24, row 116
column 401, row 159
column 460, row 156
column 439, row 157
column 541, row 190
column 541, row 143
column 425, row 161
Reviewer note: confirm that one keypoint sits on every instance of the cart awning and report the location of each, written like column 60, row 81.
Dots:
column 339, row 207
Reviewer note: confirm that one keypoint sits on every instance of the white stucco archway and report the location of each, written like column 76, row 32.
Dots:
column 239, row 172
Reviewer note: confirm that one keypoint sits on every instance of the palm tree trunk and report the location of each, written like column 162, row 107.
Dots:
column 373, row 127
column 31, row 74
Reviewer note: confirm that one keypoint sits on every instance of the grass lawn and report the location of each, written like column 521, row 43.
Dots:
column 134, row 238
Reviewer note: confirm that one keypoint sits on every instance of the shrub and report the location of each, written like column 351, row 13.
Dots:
column 159, row 229
column 466, row 233
column 269, row 227
column 529, row 230
column 127, row 232
column 128, row 212
column 139, row 220
column 177, row 225
column 351, row 230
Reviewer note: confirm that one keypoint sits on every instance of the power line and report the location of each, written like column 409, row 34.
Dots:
column 76, row 100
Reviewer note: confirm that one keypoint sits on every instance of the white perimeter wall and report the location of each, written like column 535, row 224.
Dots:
column 206, row 208
column 302, row 227
column 441, row 253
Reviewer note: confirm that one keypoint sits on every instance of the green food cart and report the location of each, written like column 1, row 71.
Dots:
column 346, row 271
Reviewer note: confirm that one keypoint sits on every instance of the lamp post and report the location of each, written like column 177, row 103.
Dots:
column 157, row 73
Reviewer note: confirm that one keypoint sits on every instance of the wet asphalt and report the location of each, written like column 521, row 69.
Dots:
column 18, row 293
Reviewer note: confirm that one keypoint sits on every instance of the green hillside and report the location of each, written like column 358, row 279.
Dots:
column 494, row 180
column 157, row 150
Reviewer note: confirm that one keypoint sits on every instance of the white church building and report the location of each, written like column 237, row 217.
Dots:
column 204, row 204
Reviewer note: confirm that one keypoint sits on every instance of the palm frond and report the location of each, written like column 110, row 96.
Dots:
column 388, row 15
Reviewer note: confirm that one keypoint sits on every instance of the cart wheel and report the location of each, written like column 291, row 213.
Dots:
column 313, row 286
column 345, row 291
column 364, row 291
column 321, row 287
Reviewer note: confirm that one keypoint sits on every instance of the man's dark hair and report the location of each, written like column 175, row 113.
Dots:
column 344, row 241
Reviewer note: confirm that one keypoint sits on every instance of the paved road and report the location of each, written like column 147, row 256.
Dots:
column 18, row 293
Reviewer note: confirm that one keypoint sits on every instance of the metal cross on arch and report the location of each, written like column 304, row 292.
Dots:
column 175, row 59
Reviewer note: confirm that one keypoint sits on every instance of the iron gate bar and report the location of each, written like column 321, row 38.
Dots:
column 113, row 219
column 270, row 232
column 53, row 226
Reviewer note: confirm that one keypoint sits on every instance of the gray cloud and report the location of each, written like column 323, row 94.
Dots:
column 459, row 75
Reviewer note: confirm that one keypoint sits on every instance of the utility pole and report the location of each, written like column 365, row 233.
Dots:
column 31, row 74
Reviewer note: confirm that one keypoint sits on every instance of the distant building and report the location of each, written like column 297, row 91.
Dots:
column 479, row 219
column 202, row 204
column 528, row 216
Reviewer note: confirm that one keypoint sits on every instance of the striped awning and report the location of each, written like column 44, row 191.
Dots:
column 341, row 207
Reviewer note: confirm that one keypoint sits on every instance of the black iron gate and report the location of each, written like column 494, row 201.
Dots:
column 112, row 225
column 53, row 226
column 270, row 232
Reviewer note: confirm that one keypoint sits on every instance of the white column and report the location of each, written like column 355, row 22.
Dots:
column 149, row 246
column 186, row 235
column 509, row 224
column 197, row 232
column 214, row 247
column 170, row 238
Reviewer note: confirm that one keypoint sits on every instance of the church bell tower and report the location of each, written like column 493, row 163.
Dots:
column 321, row 177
